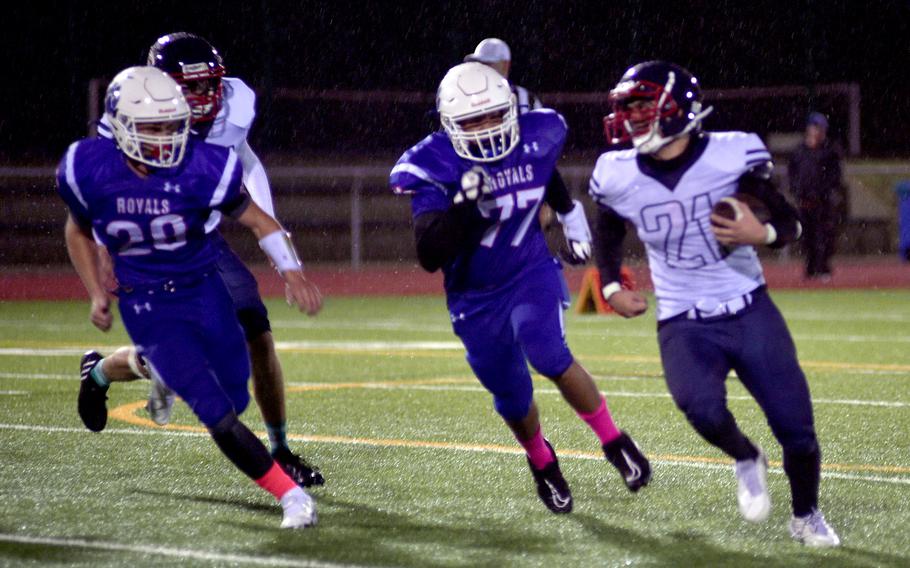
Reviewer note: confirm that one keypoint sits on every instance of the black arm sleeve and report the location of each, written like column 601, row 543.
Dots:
column 442, row 236
column 557, row 194
column 784, row 217
column 609, row 232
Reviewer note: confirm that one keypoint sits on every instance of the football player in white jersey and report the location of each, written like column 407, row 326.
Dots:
column 713, row 311
column 223, row 109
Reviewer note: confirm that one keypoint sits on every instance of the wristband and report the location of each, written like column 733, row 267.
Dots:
column 772, row 234
column 610, row 289
column 281, row 252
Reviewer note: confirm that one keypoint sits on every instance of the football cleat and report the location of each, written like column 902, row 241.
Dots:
column 626, row 457
column 552, row 487
column 812, row 530
column 92, row 403
column 752, row 488
column 161, row 402
column 303, row 474
column 299, row 509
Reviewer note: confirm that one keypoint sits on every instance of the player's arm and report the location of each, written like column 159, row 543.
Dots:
column 571, row 215
column 82, row 250
column 609, row 234
column 783, row 226
column 255, row 179
column 557, row 194
column 276, row 243
column 443, row 235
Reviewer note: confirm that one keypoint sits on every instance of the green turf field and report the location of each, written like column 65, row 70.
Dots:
column 421, row 472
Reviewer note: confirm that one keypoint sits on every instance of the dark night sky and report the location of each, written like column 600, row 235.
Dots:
column 52, row 49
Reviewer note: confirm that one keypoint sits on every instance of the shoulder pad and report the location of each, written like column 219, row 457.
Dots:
column 547, row 116
column 761, row 171
column 426, row 165
column 610, row 170
column 240, row 102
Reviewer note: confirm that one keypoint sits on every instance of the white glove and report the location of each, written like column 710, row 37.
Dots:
column 578, row 234
column 475, row 184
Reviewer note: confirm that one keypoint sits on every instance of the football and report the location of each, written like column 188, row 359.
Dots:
column 730, row 207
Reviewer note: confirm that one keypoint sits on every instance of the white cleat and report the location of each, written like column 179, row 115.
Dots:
column 752, row 488
column 812, row 530
column 161, row 402
column 299, row 509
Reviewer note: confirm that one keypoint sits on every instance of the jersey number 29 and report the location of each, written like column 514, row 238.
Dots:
column 168, row 232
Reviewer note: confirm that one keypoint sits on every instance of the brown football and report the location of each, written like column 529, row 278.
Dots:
column 728, row 207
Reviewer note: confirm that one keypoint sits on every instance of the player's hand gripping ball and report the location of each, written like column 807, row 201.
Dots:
column 731, row 208
column 475, row 185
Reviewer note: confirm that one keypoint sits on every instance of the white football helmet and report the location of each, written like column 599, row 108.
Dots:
column 469, row 92
column 149, row 116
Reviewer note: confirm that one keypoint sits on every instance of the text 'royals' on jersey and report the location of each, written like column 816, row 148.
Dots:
column 688, row 267
column 154, row 227
column 430, row 172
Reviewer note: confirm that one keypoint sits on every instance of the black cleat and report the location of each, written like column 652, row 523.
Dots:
column 552, row 487
column 300, row 471
column 92, row 398
column 626, row 457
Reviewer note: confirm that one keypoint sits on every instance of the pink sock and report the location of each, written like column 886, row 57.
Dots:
column 601, row 422
column 538, row 452
column 276, row 481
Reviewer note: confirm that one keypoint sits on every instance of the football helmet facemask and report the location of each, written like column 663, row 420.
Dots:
column 149, row 116
column 197, row 66
column 479, row 112
column 654, row 103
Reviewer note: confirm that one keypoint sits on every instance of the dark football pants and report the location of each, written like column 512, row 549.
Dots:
column 244, row 289
column 697, row 355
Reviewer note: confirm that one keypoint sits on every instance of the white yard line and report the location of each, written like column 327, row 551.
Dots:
column 895, row 480
column 478, row 388
column 219, row 558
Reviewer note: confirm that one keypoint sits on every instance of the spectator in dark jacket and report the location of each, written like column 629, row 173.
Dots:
column 815, row 181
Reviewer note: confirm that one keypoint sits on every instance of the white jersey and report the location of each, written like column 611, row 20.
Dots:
column 230, row 128
column 688, row 266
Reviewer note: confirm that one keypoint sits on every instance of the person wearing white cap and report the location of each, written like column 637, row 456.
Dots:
column 495, row 53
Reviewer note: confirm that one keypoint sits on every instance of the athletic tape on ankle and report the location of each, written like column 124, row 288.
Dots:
column 135, row 366
column 280, row 249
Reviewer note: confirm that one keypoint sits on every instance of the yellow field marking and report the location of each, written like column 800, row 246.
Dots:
column 382, row 384
column 127, row 413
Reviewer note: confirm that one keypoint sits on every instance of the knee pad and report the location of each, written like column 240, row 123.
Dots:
column 254, row 321
column 509, row 382
column 550, row 360
column 241, row 446
column 513, row 406
column 710, row 420
column 802, row 445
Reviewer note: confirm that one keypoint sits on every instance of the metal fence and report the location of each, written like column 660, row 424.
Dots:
column 346, row 213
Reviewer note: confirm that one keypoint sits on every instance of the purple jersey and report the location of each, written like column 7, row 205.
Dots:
column 430, row 173
column 153, row 227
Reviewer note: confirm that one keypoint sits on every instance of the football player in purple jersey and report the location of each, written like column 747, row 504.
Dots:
column 222, row 113
column 147, row 195
column 714, row 313
column 476, row 187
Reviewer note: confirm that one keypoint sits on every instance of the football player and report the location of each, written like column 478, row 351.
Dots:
column 714, row 313
column 222, row 114
column 147, row 196
column 494, row 52
column 475, row 189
